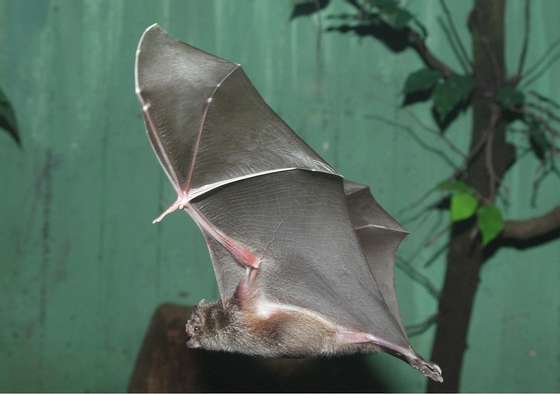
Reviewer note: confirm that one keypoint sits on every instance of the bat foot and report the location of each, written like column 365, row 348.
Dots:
column 181, row 202
column 428, row 369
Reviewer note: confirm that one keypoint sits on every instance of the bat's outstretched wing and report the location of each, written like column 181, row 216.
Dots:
column 264, row 199
column 207, row 123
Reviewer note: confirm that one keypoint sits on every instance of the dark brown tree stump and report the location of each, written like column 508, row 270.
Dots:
column 165, row 364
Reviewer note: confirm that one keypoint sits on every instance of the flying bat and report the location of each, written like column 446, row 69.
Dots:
column 303, row 258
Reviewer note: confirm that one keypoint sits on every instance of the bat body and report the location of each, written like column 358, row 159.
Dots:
column 267, row 329
column 304, row 259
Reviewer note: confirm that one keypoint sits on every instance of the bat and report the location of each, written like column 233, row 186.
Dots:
column 303, row 258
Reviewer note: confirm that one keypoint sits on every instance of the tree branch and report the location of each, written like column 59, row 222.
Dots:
column 493, row 178
column 453, row 45
column 416, row 42
column 419, row 45
column 541, row 59
column 532, row 228
column 440, row 134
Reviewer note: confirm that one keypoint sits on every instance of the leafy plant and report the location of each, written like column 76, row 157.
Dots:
column 500, row 104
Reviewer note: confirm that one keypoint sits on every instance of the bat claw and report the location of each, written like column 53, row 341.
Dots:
column 428, row 369
column 181, row 202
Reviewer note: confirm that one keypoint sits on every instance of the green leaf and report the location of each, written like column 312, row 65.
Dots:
column 455, row 186
column 463, row 206
column 421, row 80
column 8, row 118
column 510, row 97
column 490, row 223
column 383, row 4
column 307, row 7
column 450, row 93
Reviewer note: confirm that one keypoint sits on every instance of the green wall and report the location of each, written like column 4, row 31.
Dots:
column 82, row 268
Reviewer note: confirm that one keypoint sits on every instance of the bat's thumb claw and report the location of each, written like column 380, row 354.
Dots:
column 181, row 202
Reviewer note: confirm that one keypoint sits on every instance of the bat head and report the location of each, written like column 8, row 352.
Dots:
column 205, row 326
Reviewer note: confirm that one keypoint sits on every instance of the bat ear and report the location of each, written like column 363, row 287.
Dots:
column 203, row 302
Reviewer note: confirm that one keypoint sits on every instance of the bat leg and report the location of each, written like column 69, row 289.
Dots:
column 245, row 291
column 181, row 202
column 241, row 252
column 428, row 369
column 349, row 337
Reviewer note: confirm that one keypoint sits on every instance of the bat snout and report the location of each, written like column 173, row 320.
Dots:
column 192, row 340
column 192, row 343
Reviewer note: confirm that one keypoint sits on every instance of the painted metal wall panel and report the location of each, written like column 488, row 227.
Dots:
column 82, row 268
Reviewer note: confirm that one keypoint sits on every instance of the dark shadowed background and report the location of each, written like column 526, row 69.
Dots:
column 82, row 269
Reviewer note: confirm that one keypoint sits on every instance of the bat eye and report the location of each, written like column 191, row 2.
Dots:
column 197, row 329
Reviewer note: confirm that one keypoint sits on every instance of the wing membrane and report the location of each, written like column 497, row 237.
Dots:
column 379, row 235
column 207, row 123
column 299, row 222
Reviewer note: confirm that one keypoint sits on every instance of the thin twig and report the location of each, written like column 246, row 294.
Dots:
column 540, row 174
column 440, row 134
column 455, row 35
column 424, row 212
column 319, row 33
column 526, row 34
column 453, row 45
column 540, row 60
column 436, row 254
column 489, row 159
column 422, row 245
column 541, row 98
column 408, row 129
column 420, row 200
column 539, row 119
column 473, row 153
column 542, row 70
column 438, row 235
column 419, row 45
column 545, row 110
column 418, row 277
column 504, row 197
column 420, row 328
